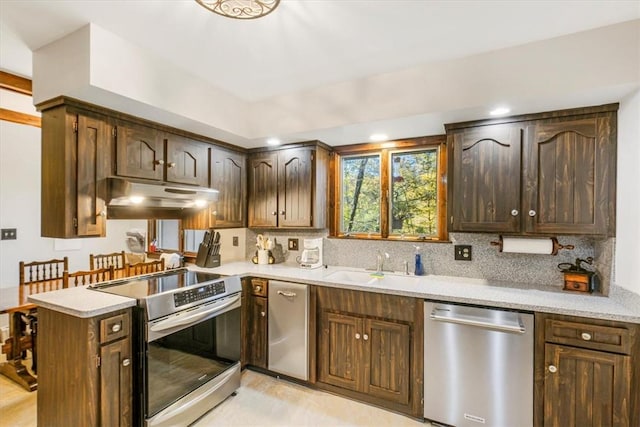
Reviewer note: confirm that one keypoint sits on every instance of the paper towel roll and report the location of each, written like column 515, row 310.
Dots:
column 525, row 245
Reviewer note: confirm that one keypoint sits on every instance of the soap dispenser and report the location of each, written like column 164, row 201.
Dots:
column 419, row 271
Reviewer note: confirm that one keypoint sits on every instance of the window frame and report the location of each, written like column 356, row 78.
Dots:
column 385, row 149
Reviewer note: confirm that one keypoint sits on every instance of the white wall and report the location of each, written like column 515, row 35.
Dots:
column 627, row 253
column 20, row 161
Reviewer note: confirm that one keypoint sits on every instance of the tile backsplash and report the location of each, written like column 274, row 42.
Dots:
column 438, row 258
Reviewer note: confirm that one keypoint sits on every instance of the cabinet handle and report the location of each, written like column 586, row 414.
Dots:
column 262, row 313
column 532, row 213
column 586, row 336
column 214, row 213
column 116, row 327
column 357, row 336
column 514, row 212
column 553, row 369
column 171, row 165
column 365, row 337
column 257, row 288
column 159, row 162
column 281, row 212
column 274, row 213
column 126, row 362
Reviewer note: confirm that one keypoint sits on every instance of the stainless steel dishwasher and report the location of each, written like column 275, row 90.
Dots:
column 289, row 329
column 478, row 366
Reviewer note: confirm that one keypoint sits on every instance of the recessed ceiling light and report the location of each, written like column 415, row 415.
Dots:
column 500, row 111
column 378, row 137
column 273, row 141
column 136, row 200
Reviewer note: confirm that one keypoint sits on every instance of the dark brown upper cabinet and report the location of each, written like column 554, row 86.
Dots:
column 187, row 161
column 540, row 174
column 228, row 176
column 486, row 184
column 288, row 188
column 148, row 153
column 75, row 164
column 139, row 151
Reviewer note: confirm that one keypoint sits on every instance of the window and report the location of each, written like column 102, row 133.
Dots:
column 393, row 190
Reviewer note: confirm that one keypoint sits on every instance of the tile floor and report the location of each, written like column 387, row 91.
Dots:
column 261, row 401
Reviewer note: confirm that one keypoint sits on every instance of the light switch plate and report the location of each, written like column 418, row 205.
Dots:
column 293, row 244
column 235, row 241
column 9, row 234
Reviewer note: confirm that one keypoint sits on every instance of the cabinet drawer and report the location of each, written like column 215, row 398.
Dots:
column 584, row 335
column 259, row 287
column 114, row 327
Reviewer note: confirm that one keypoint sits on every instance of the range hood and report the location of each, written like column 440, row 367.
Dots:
column 134, row 193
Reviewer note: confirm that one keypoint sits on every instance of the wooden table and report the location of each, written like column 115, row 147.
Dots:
column 18, row 340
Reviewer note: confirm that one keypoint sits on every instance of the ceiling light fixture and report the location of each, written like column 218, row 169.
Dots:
column 378, row 137
column 500, row 111
column 240, row 9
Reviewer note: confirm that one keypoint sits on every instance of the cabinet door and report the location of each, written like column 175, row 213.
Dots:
column 588, row 388
column 92, row 143
column 139, row 152
column 486, row 179
column 568, row 176
column 187, row 161
column 228, row 176
column 340, row 350
column 387, row 362
column 295, row 181
column 263, row 198
column 115, row 383
column 257, row 332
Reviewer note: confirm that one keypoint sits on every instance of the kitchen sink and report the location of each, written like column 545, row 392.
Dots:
column 370, row 277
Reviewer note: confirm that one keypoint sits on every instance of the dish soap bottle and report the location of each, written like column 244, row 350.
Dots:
column 419, row 271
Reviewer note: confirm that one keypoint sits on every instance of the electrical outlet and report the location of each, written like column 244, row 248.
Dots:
column 235, row 241
column 9, row 234
column 462, row 252
column 293, row 244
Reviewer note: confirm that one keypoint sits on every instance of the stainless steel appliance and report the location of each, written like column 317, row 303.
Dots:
column 186, row 343
column 289, row 329
column 478, row 366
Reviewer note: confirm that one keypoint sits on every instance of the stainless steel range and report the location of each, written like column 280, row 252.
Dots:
column 186, row 341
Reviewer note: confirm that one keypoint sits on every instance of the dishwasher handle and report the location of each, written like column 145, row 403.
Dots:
column 470, row 321
column 287, row 294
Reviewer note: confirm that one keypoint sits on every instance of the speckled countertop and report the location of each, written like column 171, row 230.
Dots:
column 621, row 304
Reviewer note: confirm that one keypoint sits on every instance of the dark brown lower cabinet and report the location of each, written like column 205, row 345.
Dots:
column 590, row 388
column 370, row 348
column 255, row 347
column 588, row 372
column 84, row 369
column 366, row 355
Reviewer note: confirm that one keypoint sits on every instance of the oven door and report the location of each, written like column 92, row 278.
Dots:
column 191, row 362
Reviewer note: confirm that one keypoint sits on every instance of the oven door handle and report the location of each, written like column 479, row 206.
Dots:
column 193, row 318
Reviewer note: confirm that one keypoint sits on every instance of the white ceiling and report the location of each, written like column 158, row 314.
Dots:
column 304, row 44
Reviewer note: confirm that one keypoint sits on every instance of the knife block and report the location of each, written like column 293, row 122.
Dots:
column 212, row 261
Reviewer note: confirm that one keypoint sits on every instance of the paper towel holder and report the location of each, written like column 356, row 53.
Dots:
column 556, row 246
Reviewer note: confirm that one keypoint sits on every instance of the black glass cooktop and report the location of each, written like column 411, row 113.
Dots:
column 145, row 286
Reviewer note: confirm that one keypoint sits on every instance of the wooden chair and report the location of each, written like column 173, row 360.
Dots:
column 116, row 260
column 35, row 277
column 145, row 267
column 83, row 278
column 41, row 276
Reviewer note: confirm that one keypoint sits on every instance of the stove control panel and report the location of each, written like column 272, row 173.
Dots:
column 199, row 293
